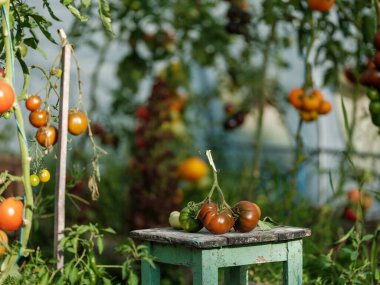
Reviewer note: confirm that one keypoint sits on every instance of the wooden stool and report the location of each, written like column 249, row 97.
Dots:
column 205, row 253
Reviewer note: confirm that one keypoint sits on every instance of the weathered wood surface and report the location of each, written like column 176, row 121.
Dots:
column 205, row 239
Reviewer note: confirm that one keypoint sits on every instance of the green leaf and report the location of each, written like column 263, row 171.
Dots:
column 109, row 230
column 133, row 279
column 345, row 117
column 105, row 16
column 50, row 10
column 367, row 237
column 346, row 236
column 86, row 3
column 100, row 243
column 76, row 13
column 66, row 2
column 43, row 24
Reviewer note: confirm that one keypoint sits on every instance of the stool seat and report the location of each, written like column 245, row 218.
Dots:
column 205, row 253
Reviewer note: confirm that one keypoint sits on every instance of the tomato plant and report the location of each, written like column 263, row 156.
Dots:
column 7, row 96
column 77, row 122
column 11, row 211
column 47, row 136
column 33, row 103
column 248, row 216
column 39, row 118
column 3, row 242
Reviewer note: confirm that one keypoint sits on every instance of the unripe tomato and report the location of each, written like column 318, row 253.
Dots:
column 47, row 136
column 33, row 103
column 11, row 211
column 7, row 96
column 3, row 241
column 188, row 220
column 77, row 123
column 174, row 220
column 44, row 175
column 39, row 118
column 34, row 180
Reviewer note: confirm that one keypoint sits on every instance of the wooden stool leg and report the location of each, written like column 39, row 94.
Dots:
column 150, row 275
column 236, row 275
column 293, row 266
column 205, row 271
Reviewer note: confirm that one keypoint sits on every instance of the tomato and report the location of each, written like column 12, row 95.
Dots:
column 174, row 220
column 324, row 108
column 33, row 103
column 7, row 96
column 44, row 175
column 188, row 220
column 217, row 222
column 78, row 122
column 374, row 108
column 317, row 94
column 248, row 216
column 34, row 180
column 11, row 211
column 309, row 116
column 310, row 103
column 142, row 113
column 192, row 169
column 373, row 95
column 295, row 97
column 47, row 136
column 349, row 214
column 321, row 5
column 39, row 118
column 354, row 196
column 3, row 242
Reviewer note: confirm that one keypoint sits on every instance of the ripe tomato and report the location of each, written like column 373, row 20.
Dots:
column 33, row 103
column 248, row 216
column 142, row 113
column 349, row 214
column 47, row 136
column 321, row 5
column 34, row 180
column 39, row 118
column 3, row 241
column 295, row 97
column 11, row 211
column 354, row 197
column 192, row 169
column 78, row 122
column 7, row 96
column 217, row 222
column 44, row 175
column 309, row 116
column 325, row 108
column 310, row 103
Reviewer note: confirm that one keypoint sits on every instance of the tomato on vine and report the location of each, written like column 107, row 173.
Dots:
column 39, row 118
column 47, row 136
column 44, row 175
column 33, row 103
column 11, row 211
column 34, row 180
column 215, row 221
column 7, row 96
column 248, row 216
column 77, row 122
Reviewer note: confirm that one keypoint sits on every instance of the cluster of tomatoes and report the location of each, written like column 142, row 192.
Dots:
column 11, row 219
column 310, row 105
column 243, row 217
column 47, row 134
column 370, row 78
column 321, row 5
column 356, row 199
column 235, row 118
column 238, row 17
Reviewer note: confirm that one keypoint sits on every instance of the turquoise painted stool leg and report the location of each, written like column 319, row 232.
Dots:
column 293, row 266
column 204, row 270
column 236, row 275
column 150, row 275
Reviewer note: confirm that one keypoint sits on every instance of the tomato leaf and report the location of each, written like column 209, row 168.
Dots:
column 86, row 3
column 76, row 13
column 50, row 10
column 100, row 243
column 105, row 16
column 109, row 230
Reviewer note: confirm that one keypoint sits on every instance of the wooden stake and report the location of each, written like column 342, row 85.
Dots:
column 60, row 186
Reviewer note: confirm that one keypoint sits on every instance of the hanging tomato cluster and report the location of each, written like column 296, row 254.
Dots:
column 356, row 199
column 216, row 217
column 235, row 117
column 370, row 78
column 238, row 17
column 310, row 105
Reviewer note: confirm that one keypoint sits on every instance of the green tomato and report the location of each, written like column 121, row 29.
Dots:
column 374, row 108
column 188, row 221
column 373, row 95
column 174, row 220
column 34, row 180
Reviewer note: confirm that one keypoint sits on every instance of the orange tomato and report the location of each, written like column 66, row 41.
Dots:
column 321, row 5
column 295, row 97
column 318, row 94
column 192, row 169
column 309, row 116
column 3, row 241
column 325, row 107
column 11, row 211
column 310, row 103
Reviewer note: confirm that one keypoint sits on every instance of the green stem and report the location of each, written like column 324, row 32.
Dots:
column 257, row 144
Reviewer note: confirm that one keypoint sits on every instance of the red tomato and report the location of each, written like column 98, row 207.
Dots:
column 33, row 103
column 78, row 122
column 47, row 136
column 11, row 211
column 7, row 96
column 248, row 216
column 321, row 5
column 39, row 118
column 217, row 222
column 349, row 214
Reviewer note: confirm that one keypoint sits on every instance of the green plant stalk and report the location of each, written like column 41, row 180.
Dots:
column 24, row 155
column 257, row 143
